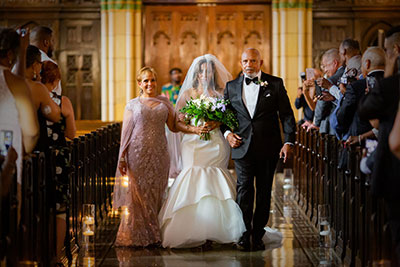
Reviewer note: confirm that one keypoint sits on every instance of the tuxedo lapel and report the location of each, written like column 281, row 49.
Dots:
column 261, row 92
column 239, row 90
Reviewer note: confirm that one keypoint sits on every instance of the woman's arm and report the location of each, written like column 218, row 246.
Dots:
column 26, row 109
column 68, row 112
column 306, row 92
column 50, row 110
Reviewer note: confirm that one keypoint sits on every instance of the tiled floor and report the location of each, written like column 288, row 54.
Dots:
column 299, row 246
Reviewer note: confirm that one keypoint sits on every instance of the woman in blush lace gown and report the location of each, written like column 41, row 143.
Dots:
column 201, row 203
column 142, row 172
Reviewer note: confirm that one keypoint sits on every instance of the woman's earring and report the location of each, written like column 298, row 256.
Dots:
column 34, row 75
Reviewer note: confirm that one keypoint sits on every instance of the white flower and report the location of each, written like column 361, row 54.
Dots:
column 49, row 131
column 55, row 136
column 263, row 83
column 197, row 102
column 58, row 170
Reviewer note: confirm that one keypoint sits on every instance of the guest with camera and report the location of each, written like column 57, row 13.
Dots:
column 333, row 69
column 304, row 100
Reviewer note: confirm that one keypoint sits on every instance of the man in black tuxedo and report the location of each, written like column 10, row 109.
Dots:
column 260, row 100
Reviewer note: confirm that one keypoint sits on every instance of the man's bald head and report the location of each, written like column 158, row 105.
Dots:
column 372, row 59
column 251, row 62
column 330, row 61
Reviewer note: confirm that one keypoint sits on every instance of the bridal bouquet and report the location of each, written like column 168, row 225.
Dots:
column 208, row 108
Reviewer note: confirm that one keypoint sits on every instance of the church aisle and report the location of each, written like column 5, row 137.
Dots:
column 299, row 246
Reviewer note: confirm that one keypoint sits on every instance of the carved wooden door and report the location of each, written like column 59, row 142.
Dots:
column 175, row 35
column 79, row 60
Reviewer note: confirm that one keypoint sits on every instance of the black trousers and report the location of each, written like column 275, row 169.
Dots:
column 393, row 215
column 262, row 169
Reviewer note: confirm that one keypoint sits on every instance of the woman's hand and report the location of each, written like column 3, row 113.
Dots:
column 122, row 167
column 199, row 130
column 211, row 125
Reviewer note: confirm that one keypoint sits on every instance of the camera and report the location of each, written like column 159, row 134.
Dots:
column 5, row 141
column 349, row 77
column 302, row 76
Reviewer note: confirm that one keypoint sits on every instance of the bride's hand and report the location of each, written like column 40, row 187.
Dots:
column 201, row 130
column 211, row 125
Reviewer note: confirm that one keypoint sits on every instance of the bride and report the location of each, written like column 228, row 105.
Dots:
column 201, row 203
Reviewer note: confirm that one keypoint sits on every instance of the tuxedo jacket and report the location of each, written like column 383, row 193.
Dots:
column 381, row 103
column 263, row 130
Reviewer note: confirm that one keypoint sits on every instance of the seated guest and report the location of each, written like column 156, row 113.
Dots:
column 171, row 90
column 15, row 99
column 46, row 108
column 57, row 132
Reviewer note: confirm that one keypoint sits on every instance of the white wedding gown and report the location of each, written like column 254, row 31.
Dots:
column 201, row 202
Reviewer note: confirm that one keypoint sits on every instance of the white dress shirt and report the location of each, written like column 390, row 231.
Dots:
column 45, row 57
column 250, row 94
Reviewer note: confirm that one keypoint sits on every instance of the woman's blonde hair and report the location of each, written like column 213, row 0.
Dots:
column 144, row 70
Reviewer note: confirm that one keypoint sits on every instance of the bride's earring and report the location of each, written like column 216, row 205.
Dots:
column 34, row 75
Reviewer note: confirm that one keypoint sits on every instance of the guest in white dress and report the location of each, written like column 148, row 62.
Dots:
column 17, row 111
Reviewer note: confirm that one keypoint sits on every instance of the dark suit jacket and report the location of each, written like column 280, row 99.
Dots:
column 263, row 129
column 347, row 115
column 382, row 103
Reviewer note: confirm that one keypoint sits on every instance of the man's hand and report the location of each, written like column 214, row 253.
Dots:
column 306, row 124
column 324, row 83
column 326, row 96
column 352, row 140
column 312, row 126
column 234, row 140
column 286, row 152
column 342, row 88
column 299, row 92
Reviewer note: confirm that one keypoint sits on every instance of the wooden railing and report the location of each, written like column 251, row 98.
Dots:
column 359, row 227
column 30, row 238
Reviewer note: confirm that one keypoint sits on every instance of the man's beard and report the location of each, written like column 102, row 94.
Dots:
column 50, row 53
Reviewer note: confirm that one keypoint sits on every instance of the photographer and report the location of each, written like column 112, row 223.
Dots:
column 305, row 95
column 333, row 69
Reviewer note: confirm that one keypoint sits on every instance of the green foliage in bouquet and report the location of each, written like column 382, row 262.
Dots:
column 209, row 109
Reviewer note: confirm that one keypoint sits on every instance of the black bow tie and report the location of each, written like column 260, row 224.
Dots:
column 249, row 80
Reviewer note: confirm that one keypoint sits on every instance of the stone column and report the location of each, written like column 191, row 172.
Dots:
column 121, row 39
column 291, row 42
